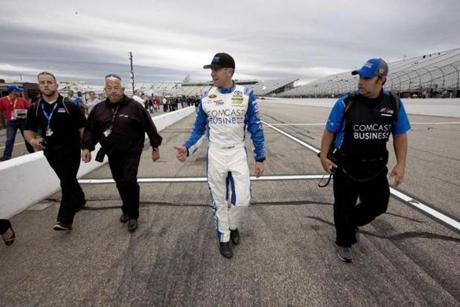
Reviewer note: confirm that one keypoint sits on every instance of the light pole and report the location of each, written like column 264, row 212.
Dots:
column 131, row 74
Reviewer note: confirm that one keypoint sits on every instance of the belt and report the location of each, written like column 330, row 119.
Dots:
column 365, row 160
column 226, row 146
column 377, row 159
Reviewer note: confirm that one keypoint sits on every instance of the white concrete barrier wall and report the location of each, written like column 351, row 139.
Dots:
column 448, row 107
column 28, row 179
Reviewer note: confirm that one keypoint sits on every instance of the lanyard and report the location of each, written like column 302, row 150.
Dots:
column 13, row 104
column 114, row 114
column 49, row 116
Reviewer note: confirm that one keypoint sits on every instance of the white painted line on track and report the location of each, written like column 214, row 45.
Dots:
column 203, row 179
column 324, row 124
column 297, row 124
column 424, row 208
column 435, row 123
column 427, row 210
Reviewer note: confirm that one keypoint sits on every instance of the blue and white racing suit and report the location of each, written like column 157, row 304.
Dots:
column 226, row 113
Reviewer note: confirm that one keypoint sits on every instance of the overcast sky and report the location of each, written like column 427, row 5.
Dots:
column 85, row 40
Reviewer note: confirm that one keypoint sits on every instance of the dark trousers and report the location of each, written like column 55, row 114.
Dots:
column 11, row 129
column 124, row 168
column 373, row 195
column 4, row 226
column 65, row 162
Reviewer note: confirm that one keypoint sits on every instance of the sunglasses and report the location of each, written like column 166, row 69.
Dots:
column 46, row 73
column 113, row 76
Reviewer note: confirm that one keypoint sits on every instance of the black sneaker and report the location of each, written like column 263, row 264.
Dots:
column 62, row 227
column 225, row 249
column 235, row 236
column 11, row 239
column 132, row 225
column 344, row 253
column 124, row 218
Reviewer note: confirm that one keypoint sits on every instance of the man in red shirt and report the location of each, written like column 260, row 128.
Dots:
column 14, row 108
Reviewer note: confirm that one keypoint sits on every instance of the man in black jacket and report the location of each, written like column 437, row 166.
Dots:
column 55, row 126
column 119, row 123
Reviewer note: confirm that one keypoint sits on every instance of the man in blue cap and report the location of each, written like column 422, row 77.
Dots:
column 353, row 149
column 14, row 108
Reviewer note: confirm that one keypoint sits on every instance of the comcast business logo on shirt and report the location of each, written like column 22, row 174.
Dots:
column 371, row 131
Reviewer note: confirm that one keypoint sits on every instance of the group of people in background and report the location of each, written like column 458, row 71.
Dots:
column 13, row 109
column 169, row 103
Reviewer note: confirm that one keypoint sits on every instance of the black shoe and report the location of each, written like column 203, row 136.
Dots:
column 132, row 225
column 10, row 240
column 344, row 253
column 124, row 218
column 235, row 236
column 225, row 249
column 62, row 227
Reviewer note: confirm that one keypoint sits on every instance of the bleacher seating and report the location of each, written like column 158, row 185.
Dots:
column 431, row 75
column 272, row 87
column 261, row 88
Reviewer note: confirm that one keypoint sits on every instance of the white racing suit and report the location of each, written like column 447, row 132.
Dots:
column 226, row 113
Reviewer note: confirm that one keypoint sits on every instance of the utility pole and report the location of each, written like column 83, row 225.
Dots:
column 132, row 70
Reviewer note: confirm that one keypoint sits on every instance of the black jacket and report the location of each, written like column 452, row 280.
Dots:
column 127, row 121
column 66, row 121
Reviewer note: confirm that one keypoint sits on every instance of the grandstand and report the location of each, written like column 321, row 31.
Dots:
column 196, row 88
column 160, row 88
column 431, row 75
column 273, row 87
column 190, row 88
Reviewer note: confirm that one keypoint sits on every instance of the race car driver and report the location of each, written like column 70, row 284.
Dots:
column 226, row 110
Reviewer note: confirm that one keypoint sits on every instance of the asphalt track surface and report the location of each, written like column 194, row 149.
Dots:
column 287, row 255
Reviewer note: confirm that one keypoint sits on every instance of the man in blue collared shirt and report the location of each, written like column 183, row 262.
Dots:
column 226, row 110
column 353, row 147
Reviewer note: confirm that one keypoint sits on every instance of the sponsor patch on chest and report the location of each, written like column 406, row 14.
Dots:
column 387, row 112
column 237, row 100
column 237, row 97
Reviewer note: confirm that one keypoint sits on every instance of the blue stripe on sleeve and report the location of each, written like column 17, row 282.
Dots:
column 402, row 124
column 199, row 127
column 254, row 125
column 334, row 123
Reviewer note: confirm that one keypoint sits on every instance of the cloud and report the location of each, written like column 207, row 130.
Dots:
column 170, row 39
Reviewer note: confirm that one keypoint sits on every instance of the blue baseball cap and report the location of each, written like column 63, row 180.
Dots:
column 372, row 68
column 14, row 89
